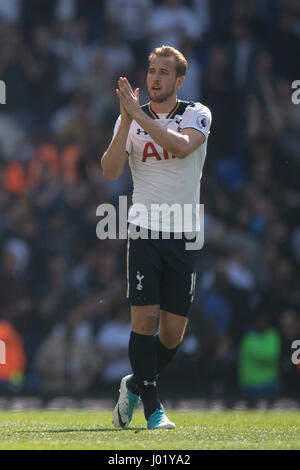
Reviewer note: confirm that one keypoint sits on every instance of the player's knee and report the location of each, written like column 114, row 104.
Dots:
column 144, row 323
column 170, row 339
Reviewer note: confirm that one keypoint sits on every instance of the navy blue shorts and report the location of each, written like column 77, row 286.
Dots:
column 161, row 272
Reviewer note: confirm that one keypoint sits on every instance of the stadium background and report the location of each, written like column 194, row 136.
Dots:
column 63, row 316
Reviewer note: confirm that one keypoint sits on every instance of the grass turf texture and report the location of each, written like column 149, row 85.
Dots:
column 79, row 429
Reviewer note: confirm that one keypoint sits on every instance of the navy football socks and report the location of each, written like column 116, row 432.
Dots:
column 164, row 355
column 148, row 358
column 143, row 360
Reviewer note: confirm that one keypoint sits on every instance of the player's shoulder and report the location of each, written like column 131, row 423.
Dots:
column 196, row 115
column 195, row 107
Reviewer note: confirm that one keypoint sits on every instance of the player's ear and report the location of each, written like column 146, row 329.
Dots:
column 180, row 81
column 137, row 93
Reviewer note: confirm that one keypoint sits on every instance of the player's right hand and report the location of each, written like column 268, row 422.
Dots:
column 125, row 116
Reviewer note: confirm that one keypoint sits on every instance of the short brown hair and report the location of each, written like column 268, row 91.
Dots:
column 168, row 51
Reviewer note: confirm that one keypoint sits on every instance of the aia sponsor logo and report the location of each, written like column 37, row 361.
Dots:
column 150, row 151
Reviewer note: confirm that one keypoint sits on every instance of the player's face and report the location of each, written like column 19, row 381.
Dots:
column 162, row 81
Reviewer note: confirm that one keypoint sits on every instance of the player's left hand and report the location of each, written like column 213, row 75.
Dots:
column 128, row 98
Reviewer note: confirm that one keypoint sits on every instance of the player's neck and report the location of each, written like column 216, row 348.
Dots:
column 165, row 107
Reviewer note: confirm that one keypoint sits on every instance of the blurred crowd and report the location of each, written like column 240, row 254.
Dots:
column 64, row 316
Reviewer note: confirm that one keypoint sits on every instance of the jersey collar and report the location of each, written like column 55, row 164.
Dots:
column 169, row 116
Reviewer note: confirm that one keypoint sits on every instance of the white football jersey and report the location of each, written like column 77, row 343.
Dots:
column 166, row 189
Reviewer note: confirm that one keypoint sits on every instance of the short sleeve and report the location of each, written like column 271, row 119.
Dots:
column 197, row 117
column 128, row 141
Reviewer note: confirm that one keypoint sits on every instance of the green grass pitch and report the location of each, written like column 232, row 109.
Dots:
column 80, row 429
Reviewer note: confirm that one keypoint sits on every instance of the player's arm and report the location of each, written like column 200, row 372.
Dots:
column 180, row 144
column 115, row 157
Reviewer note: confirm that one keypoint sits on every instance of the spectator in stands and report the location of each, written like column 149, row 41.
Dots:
column 289, row 325
column 259, row 359
column 171, row 23
column 131, row 18
column 13, row 366
column 43, row 67
column 285, row 46
column 216, row 359
column 112, row 343
column 66, row 360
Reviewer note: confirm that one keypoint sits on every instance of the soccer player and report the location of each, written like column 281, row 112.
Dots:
column 165, row 141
